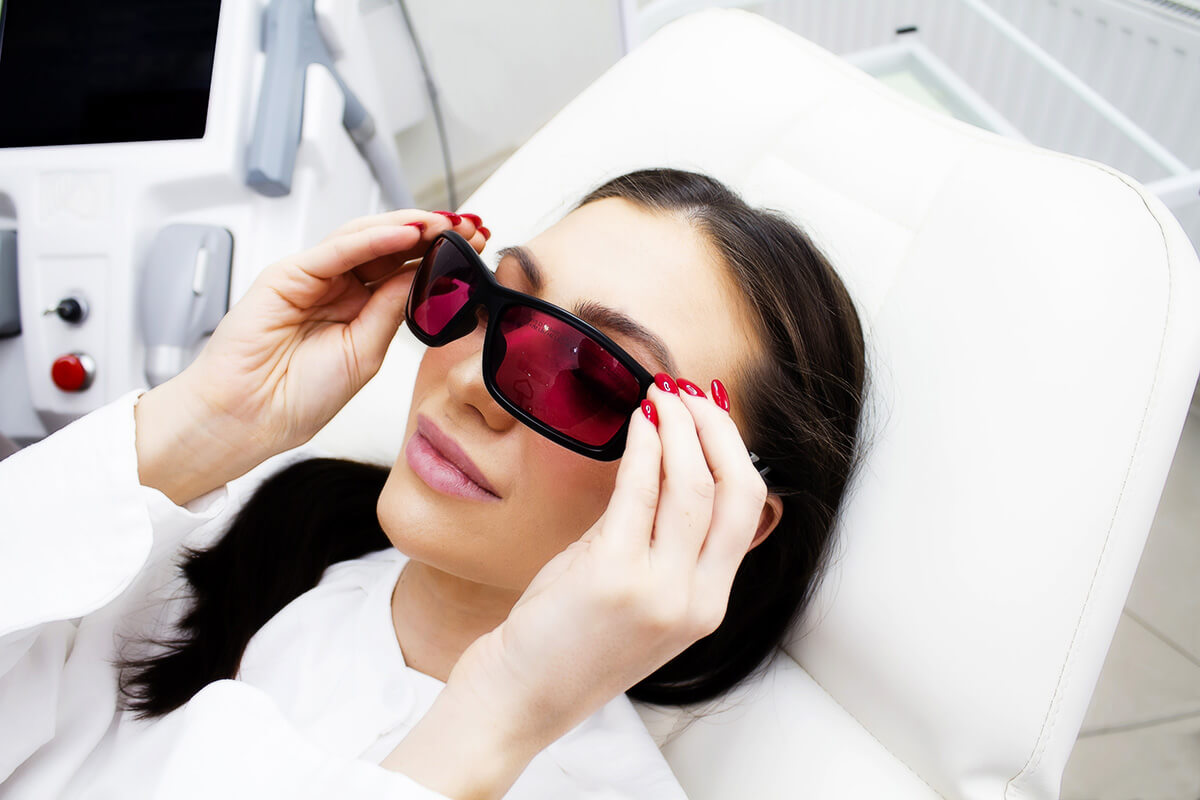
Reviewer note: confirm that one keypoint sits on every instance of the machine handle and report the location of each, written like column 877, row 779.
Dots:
column 10, row 310
column 292, row 41
column 288, row 28
column 184, row 293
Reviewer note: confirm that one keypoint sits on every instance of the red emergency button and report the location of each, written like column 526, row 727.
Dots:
column 73, row 372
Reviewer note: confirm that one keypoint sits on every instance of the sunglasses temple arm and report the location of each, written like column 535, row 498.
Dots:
column 761, row 470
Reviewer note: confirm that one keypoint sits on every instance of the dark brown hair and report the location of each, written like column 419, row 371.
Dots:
column 803, row 402
column 802, row 395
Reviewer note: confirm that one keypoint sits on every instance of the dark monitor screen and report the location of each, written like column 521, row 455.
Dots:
column 92, row 71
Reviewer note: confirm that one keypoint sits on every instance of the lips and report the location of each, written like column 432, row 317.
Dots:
column 451, row 452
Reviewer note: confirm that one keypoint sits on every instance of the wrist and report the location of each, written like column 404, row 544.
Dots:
column 183, row 449
column 463, row 751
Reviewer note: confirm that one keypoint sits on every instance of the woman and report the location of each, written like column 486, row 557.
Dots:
column 528, row 585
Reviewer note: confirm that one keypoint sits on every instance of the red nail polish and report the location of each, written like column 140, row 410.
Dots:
column 454, row 218
column 486, row 233
column 664, row 382
column 689, row 387
column 720, row 396
column 420, row 225
column 478, row 220
column 651, row 413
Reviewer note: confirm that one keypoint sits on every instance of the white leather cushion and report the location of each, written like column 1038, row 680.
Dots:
column 1032, row 323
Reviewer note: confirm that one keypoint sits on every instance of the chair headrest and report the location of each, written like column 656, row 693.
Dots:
column 1033, row 325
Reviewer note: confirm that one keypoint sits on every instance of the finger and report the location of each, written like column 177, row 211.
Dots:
column 371, row 332
column 305, row 278
column 629, row 518
column 431, row 224
column 685, row 507
column 382, row 268
column 594, row 531
column 739, row 495
column 472, row 231
column 467, row 226
column 403, row 216
column 434, row 222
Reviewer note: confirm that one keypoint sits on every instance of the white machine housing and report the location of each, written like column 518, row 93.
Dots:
column 85, row 215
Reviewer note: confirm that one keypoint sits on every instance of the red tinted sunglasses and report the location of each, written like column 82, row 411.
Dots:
column 544, row 365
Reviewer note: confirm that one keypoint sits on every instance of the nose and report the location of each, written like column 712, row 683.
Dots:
column 464, row 381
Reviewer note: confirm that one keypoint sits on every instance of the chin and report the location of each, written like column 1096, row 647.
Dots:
column 437, row 530
column 412, row 514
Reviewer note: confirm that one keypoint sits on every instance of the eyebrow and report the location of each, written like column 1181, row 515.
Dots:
column 594, row 313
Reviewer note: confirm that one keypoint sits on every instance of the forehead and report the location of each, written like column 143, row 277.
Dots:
column 654, row 268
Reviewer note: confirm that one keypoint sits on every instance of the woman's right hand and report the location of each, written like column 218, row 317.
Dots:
column 652, row 576
column 311, row 330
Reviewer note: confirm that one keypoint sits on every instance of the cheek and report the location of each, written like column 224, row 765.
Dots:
column 563, row 493
column 559, row 493
column 556, row 496
column 431, row 372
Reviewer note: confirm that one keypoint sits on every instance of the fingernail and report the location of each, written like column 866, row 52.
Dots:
column 664, row 382
column 478, row 220
column 420, row 225
column 450, row 215
column 486, row 233
column 689, row 387
column 650, row 412
column 720, row 396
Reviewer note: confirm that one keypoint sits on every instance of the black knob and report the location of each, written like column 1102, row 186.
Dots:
column 70, row 310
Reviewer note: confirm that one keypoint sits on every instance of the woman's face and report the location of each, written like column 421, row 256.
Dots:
column 653, row 269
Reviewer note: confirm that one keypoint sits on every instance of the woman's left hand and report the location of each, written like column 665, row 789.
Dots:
column 652, row 576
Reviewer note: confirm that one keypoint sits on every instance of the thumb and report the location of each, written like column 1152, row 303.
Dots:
column 372, row 331
column 594, row 531
column 550, row 572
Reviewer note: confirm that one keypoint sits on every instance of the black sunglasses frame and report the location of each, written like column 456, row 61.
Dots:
column 496, row 298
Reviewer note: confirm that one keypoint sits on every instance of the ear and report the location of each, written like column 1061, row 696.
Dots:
column 772, row 512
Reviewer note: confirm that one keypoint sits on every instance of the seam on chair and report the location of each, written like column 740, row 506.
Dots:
column 1065, row 673
column 886, row 749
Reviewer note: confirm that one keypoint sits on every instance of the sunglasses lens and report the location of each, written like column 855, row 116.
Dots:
column 441, row 287
column 563, row 377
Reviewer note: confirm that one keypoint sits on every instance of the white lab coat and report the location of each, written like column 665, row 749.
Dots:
column 87, row 560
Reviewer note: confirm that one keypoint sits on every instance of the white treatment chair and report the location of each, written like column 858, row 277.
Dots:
column 1033, row 325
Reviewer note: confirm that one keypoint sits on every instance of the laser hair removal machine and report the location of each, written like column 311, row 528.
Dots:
column 155, row 156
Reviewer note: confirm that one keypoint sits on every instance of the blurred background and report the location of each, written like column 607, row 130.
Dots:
column 1114, row 81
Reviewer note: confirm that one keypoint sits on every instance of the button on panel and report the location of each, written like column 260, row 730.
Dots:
column 70, row 288
column 73, row 372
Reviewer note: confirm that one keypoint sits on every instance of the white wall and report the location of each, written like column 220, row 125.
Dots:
column 503, row 69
